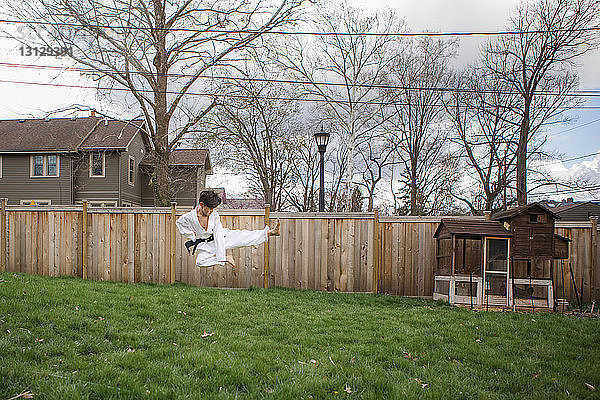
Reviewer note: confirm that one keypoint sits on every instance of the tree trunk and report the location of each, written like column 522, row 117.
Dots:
column 162, row 189
column 522, row 157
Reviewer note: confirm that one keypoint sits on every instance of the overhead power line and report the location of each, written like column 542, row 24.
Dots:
column 577, row 93
column 304, row 33
column 574, row 128
column 251, row 97
column 566, row 191
column 580, row 157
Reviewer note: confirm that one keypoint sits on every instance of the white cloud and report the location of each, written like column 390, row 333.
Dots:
column 587, row 172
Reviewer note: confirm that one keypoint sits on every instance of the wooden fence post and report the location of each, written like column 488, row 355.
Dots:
column 594, row 290
column 172, row 244
column 3, row 235
column 376, row 260
column 266, row 267
column 84, row 240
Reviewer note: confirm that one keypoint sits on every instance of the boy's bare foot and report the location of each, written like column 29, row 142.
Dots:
column 275, row 231
column 230, row 260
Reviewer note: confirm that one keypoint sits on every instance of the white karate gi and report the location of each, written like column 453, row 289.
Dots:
column 213, row 252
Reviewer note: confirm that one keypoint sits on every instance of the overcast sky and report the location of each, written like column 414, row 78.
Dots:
column 581, row 137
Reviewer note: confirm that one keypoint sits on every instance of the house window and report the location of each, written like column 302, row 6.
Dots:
column 44, row 166
column 131, row 170
column 97, row 165
column 36, row 202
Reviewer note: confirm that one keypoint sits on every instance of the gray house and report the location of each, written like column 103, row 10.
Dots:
column 107, row 162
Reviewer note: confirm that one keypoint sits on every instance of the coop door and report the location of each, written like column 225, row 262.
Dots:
column 496, row 272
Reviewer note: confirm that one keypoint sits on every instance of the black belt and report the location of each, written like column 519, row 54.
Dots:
column 196, row 242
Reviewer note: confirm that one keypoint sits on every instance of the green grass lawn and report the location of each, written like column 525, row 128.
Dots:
column 64, row 338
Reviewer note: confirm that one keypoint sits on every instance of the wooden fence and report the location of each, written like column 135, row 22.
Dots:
column 320, row 251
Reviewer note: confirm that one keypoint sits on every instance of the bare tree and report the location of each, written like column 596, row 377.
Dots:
column 553, row 34
column 157, row 52
column 485, row 128
column 416, row 109
column 356, row 63
column 257, row 128
column 303, row 195
column 377, row 155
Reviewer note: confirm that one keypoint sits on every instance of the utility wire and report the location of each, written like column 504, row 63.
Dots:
column 241, row 96
column 573, row 128
column 306, row 33
column 565, row 191
column 577, row 93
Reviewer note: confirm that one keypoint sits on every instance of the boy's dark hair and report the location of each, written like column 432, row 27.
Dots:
column 209, row 198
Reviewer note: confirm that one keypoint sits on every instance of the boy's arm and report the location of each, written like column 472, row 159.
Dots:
column 185, row 224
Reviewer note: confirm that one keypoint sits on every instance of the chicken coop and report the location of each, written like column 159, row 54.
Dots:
column 502, row 261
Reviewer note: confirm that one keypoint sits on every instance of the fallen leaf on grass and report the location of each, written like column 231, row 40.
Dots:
column 101, row 318
column 420, row 382
column 206, row 334
column 313, row 361
column 587, row 385
column 331, row 360
column 76, row 308
column 409, row 356
column 39, row 340
column 182, row 312
column 348, row 390
column 2, row 281
column 24, row 395
column 536, row 375
column 478, row 340
column 302, row 362
column 352, row 360
column 130, row 350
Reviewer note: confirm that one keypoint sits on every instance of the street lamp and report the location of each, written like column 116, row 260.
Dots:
column 322, row 138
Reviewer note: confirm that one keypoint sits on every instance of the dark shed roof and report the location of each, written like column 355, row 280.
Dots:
column 521, row 209
column 65, row 134
column 473, row 227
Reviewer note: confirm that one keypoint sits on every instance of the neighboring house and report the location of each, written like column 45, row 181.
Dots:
column 238, row 204
column 576, row 211
column 67, row 160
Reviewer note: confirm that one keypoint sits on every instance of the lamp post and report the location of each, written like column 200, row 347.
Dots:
column 322, row 138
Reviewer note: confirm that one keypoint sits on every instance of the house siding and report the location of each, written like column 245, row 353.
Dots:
column 132, row 194
column 147, row 192
column 16, row 183
column 97, row 188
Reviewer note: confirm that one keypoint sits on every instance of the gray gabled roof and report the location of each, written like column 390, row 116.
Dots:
column 565, row 207
column 182, row 157
column 65, row 134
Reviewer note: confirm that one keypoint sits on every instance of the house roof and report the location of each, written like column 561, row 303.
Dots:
column 521, row 209
column 565, row 207
column 183, row 157
column 65, row 134
column 236, row 204
column 477, row 227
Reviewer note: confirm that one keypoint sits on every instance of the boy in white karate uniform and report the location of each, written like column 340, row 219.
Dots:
column 202, row 226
